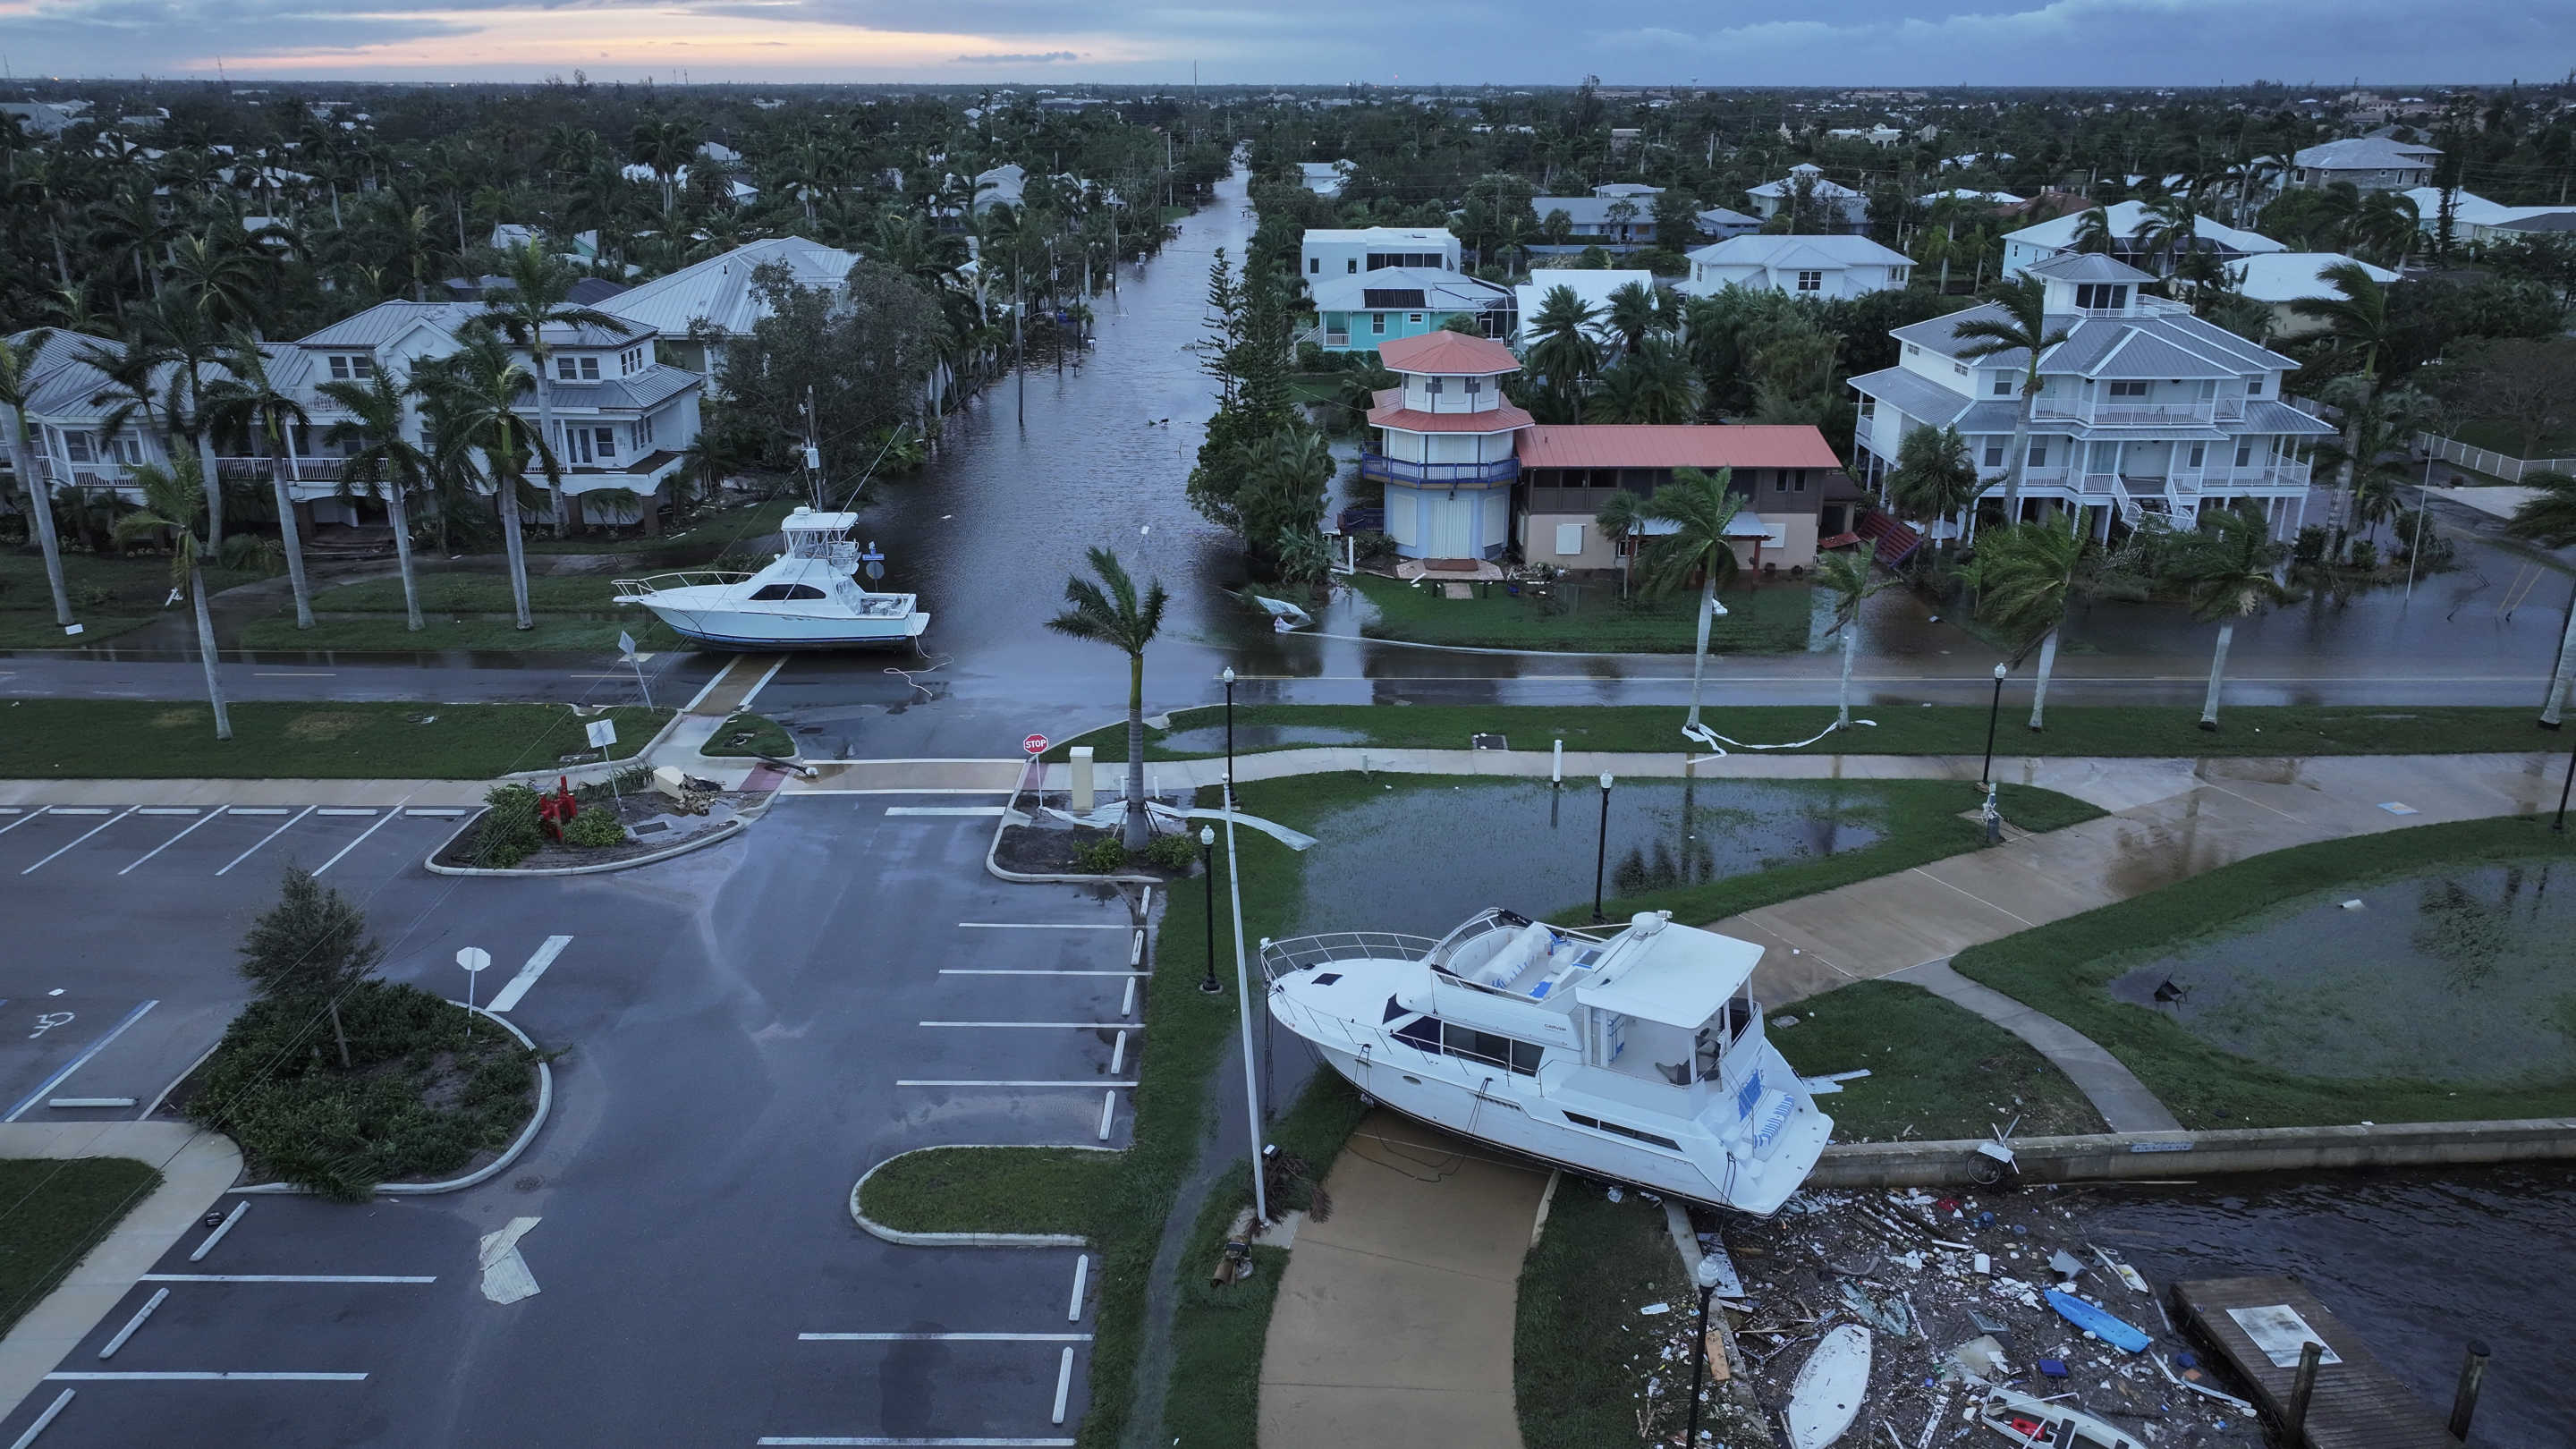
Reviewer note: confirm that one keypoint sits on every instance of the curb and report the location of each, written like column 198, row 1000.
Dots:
column 480, row 1175
column 607, row 767
column 965, row 1240
column 993, row 866
column 724, row 832
column 2207, row 1152
column 189, row 1071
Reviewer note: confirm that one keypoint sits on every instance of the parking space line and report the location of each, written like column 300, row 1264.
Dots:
column 434, row 813
column 131, row 1324
column 999, row 971
column 221, row 1228
column 52, row 1412
column 259, row 809
column 344, row 810
column 1063, row 1383
column 84, row 835
column 1041, row 926
column 170, row 810
column 987, row 811
column 1055, row 1025
column 278, row 1278
column 82, row 809
column 23, row 819
column 78, row 1062
column 528, row 974
column 943, row 1338
column 198, row 1376
column 361, row 840
column 1094, row 1082
column 173, row 840
column 265, row 839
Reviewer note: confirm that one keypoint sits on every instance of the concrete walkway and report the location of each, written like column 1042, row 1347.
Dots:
column 196, row 1167
column 1393, row 1327
column 2123, row 1100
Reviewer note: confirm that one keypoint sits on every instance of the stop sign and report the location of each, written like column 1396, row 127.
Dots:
column 1034, row 744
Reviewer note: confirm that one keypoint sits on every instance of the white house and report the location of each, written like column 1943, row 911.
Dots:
column 2473, row 217
column 1617, row 218
column 1718, row 223
column 1326, row 178
column 718, row 292
column 1804, row 266
column 1592, row 288
column 1349, row 251
column 2282, row 279
column 2047, row 239
column 2145, row 411
column 2372, row 163
column 1831, row 203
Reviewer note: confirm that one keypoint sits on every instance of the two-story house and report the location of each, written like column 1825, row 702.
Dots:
column 1828, row 206
column 1802, row 266
column 2056, row 237
column 2369, row 163
column 2144, row 411
column 1361, row 313
column 1619, row 216
column 1349, row 251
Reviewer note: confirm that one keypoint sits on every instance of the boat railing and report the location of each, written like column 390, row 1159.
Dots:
column 682, row 579
column 1278, row 958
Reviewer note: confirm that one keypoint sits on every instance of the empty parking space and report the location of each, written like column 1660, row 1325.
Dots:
column 97, row 844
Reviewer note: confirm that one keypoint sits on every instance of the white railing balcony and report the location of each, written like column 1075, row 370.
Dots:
column 2126, row 412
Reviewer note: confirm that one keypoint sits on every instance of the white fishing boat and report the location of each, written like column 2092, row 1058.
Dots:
column 809, row 597
column 1637, row 1056
column 2040, row 1424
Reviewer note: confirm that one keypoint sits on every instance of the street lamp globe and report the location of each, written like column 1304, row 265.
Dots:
column 1605, row 780
column 1207, row 835
column 1710, row 1274
column 1228, row 675
column 2000, row 672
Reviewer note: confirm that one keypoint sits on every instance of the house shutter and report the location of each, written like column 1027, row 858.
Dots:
column 1569, row 539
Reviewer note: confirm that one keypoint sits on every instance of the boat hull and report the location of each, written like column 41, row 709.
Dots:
column 723, row 629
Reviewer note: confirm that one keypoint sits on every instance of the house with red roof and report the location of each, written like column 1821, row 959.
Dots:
column 1470, row 476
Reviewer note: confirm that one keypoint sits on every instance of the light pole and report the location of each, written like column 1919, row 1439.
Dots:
column 1228, row 677
column 1601, row 852
column 1207, row 864
column 1987, row 775
column 2560, row 824
column 1243, row 1005
column 1707, row 1278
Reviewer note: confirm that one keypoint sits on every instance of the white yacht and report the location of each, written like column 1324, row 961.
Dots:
column 809, row 597
column 1637, row 1056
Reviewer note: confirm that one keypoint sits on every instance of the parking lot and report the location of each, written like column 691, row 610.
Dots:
column 743, row 1032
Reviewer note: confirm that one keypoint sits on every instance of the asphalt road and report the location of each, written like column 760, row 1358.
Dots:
column 743, row 1032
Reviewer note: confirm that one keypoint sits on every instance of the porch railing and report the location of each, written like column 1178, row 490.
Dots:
column 1379, row 468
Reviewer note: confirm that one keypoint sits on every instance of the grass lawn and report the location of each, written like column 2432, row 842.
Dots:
column 2061, row 968
column 1939, row 1069
column 71, row 739
column 464, row 611
column 989, row 1190
column 111, row 595
column 52, row 1212
column 711, row 534
column 2107, row 730
column 1582, row 1354
column 1762, row 619
column 475, row 593
column 2507, row 439
column 768, row 737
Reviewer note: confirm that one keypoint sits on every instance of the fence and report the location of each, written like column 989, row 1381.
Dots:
column 2488, row 461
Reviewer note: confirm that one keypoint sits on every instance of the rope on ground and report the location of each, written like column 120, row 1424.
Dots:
column 906, row 675
column 1718, row 742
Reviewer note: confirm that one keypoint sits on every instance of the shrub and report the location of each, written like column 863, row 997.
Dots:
column 593, row 828
column 1373, row 547
column 2364, row 554
column 2311, row 546
column 1101, row 857
column 509, row 831
column 1171, row 852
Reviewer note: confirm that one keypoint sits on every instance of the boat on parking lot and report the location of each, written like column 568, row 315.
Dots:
column 809, row 597
column 1637, row 1056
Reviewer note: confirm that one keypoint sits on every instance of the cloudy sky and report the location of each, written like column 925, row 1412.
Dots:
column 1848, row 42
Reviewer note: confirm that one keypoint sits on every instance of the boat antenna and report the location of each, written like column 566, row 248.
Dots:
column 871, row 470
column 814, row 461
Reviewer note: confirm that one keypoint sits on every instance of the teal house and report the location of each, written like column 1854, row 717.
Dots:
column 1358, row 312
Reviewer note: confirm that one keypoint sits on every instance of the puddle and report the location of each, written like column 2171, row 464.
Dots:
column 1211, row 738
column 1425, row 856
column 2464, row 976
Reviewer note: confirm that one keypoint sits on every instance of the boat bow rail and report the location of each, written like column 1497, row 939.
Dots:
column 683, row 579
column 1299, row 953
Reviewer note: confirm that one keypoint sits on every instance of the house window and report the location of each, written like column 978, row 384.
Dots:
column 1314, row 265
column 1415, row 318
column 2038, row 454
column 1960, row 368
column 576, row 369
column 352, row 367
column 2244, row 452
column 606, row 440
column 2003, row 384
column 2129, row 389
column 1994, row 454
column 630, row 361
column 1811, row 281
column 2197, row 449
column 2254, row 386
column 1432, row 387
column 2101, row 296
column 1793, row 480
column 1475, row 386
column 1569, row 539
column 76, row 445
column 1913, row 351
column 639, row 435
column 1377, row 324
column 1350, row 264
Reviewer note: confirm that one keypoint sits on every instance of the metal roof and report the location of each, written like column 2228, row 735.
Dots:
column 1441, row 290
column 649, row 388
column 1911, row 393
column 1829, row 253
column 2091, row 339
column 1390, row 412
column 718, row 290
column 2088, row 267
column 2290, row 276
column 2366, row 153
column 387, row 321
column 1687, row 445
column 1447, row 354
column 2058, row 234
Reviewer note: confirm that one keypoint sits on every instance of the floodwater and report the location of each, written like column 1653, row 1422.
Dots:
column 1212, row 738
column 2417, row 1263
column 2456, row 976
column 1425, row 857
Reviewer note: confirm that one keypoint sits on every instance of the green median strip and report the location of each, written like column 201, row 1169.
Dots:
column 52, row 1212
column 1770, row 618
column 1936, row 1071
column 70, row 739
column 767, row 737
column 1582, row 1354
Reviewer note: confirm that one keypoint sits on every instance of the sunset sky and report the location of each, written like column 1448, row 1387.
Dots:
column 1998, row 42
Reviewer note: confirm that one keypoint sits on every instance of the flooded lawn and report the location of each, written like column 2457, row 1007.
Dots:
column 1423, row 856
column 2458, row 976
column 1210, row 739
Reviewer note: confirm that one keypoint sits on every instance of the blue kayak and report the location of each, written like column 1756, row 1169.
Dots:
column 2096, row 1322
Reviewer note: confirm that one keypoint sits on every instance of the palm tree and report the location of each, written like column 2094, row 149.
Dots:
column 174, row 502
column 1701, row 507
column 2166, row 229
column 251, row 401
column 224, row 277
column 1934, row 478
column 2016, row 321
column 1621, row 519
column 2387, row 227
column 2380, row 430
column 2027, row 577
column 478, row 389
column 2548, row 518
column 1108, row 611
column 383, row 464
column 1564, row 351
column 1848, row 577
column 17, row 360
column 187, row 339
column 2093, row 232
column 2356, row 321
column 1653, row 384
column 1632, row 313
column 538, row 296
column 664, row 147
column 2227, row 568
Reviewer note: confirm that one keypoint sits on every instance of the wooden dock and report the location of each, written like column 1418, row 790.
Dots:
column 2356, row 1403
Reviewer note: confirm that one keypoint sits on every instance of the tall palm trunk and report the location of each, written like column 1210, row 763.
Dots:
column 2564, row 674
column 546, row 429
column 2017, row 453
column 1851, row 646
column 40, row 515
column 509, row 502
column 2217, row 674
column 398, row 513
column 206, row 651
column 290, row 534
column 1699, row 655
column 2039, row 692
column 1135, row 832
column 205, row 442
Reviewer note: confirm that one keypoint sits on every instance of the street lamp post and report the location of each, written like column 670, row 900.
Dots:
column 1228, row 677
column 2560, row 823
column 1987, row 775
column 1707, row 1279
column 1601, row 853
column 1243, row 1006
column 1207, row 866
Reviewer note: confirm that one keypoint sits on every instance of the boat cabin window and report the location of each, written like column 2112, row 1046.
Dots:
column 1434, row 1035
column 786, row 591
column 1615, row 1130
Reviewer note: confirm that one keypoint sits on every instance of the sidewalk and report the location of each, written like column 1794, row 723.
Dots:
column 196, row 1167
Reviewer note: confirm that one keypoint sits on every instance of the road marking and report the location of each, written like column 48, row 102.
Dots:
column 302, row 674
column 78, row 1102
column 1063, row 1383
column 1094, row 1082
column 943, row 1338
column 173, row 840
column 1108, row 1113
column 435, row 814
column 528, row 974
column 1081, row 1272
column 1039, row 926
column 987, row 811
column 204, row 1375
column 14, row 824
column 279, row 1278
column 195, row 1376
column 1972, row 895
column 882, row 1443
column 1002, row 971
column 343, row 810
column 217, row 1235
column 52, row 1411
column 76, row 1063
column 170, row 810
column 258, row 809
column 361, row 840
column 265, row 839
column 1057, row 1025
column 82, row 809
column 131, row 1324
column 84, row 835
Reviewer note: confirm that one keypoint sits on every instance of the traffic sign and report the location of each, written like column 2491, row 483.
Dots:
column 602, row 732
column 1034, row 744
column 473, row 958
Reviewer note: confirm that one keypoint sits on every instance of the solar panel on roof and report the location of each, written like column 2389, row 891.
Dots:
column 1390, row 296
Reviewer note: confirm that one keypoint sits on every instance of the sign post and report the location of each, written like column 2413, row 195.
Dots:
column 473, row 959
column 626, row 644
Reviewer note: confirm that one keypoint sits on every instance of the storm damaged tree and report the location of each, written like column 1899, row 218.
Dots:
column 862, row 353
column 309, row 950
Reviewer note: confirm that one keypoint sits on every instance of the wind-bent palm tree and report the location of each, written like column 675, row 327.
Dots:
column 664, row 147
column 2387, row 227
column 2228, row 568
column 1564, row 351
column 2166, row 229
column 224, row 276
column 1848, row 577
column 250, row 400
column 2093, row 231
column 538, row 295
column 2027, row 577
column 1621, row 519
column 2548, row 518
column 1700, row 507
column 174, row 503
column 2018, row 322
column 186, row 337
column 17, row 361
column 479, row 387
column 2381, row 431
column 1108, row 610
column 2357, row 322
column 1934, row 479
column 384, row 464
